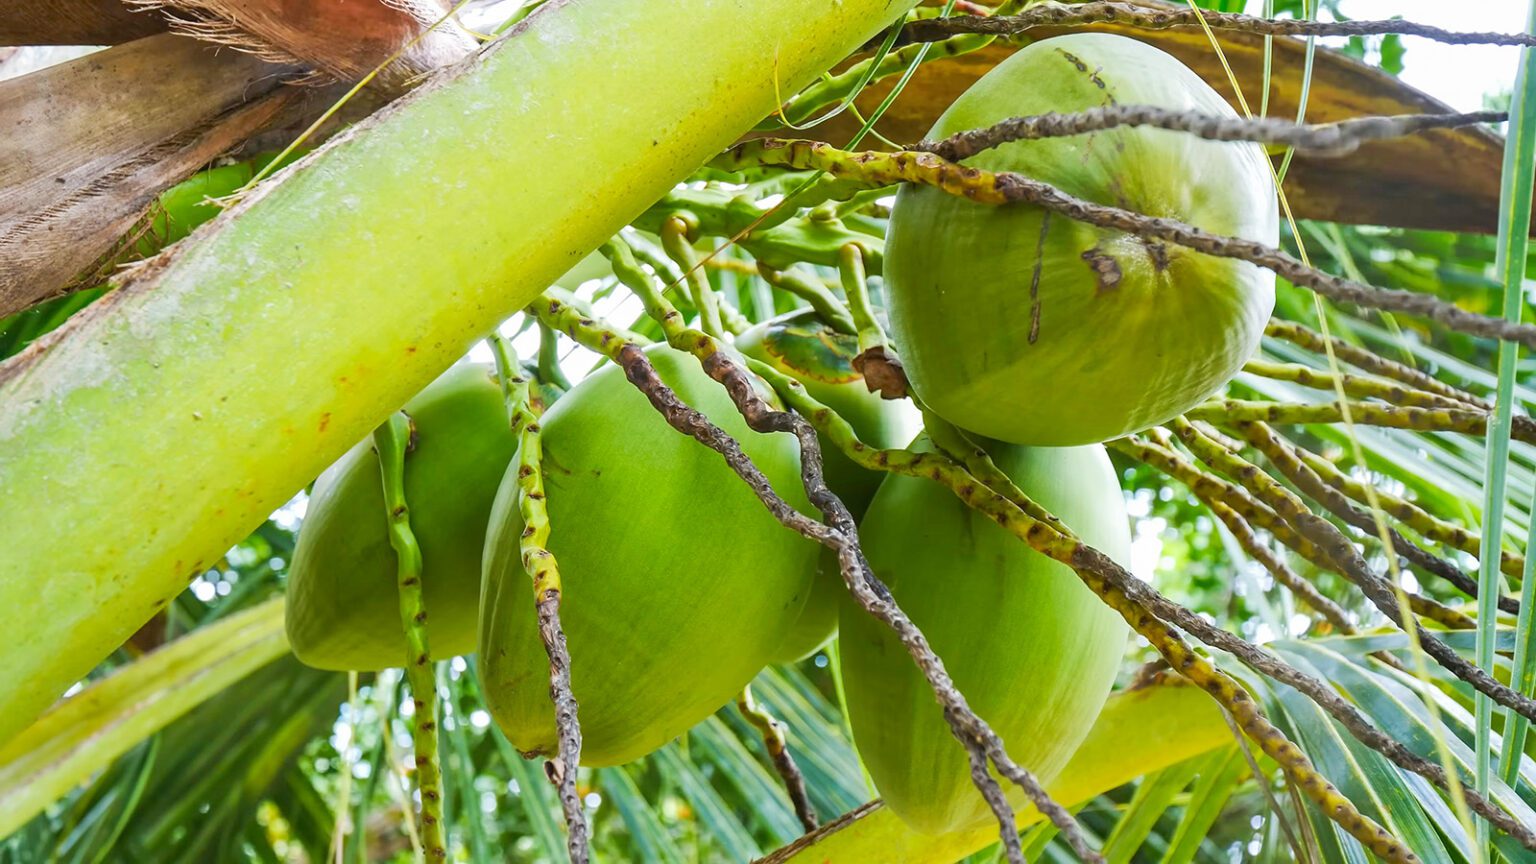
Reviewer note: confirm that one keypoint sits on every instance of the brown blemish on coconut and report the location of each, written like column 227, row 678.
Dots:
column 1106, row 270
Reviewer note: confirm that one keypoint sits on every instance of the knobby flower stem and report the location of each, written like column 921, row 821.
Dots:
column 540, row 565
column 1339, row 547
column 391, row 440
column 1421, row 521
column 1214, row 491
column 1369, row 361
column 1287, row 458
column 778, row 753
column 1336, row 552
column 1142, row 17
column 1469, row 421
column 1305, row 591
column 1334, row 139
column 1393, row 392
column 841, row 535
column 985, row 187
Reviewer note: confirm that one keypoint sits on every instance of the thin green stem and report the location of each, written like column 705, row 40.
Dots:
column 850, row 268
column 777, row 746
column 674, row 240
column 810, row 288
column 392, row 439
column 549, row 358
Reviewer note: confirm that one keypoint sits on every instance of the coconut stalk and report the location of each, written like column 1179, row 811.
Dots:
column 163, row 424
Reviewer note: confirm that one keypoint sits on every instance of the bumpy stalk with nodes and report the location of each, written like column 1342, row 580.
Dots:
column 1416, row 518
column 541, row 566
column 986, row 187
column 1326, row 138
column 392, row 441
column 1161, row 18
column 1289, row 460
column 1322, row 532
column 777, row 745
column 1466, row 421
column 1393, row 392
column 1317, row 343
column 1216, row 492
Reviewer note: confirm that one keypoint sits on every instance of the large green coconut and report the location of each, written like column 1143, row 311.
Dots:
column 678, row 585
column 343, row 599
column 1030, row 327
column 1032, row 649
column 802, row 346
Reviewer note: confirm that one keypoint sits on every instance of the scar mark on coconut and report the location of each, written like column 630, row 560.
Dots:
column 1106, row 270
column 1072, row 58
column 1034, row 281
column 1159, row 255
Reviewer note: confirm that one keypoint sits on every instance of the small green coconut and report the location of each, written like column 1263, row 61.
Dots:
column 343, row 600
column 1029, row 327
column 678, row 585
column 1032, row 649
column 801, row 345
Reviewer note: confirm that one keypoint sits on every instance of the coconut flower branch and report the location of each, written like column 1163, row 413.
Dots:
column 1142, row 17
column 1369, row 361
column 1334, row 139
column 1341, row 550
column 392, row 440
column 1288, row 459
column 544, row 570
column 986, row 187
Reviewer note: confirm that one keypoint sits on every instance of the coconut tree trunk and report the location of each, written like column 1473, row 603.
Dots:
column 165, row 422
column 91, row 142
column 74, row 22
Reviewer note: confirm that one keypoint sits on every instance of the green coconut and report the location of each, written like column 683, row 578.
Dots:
column 678, row 585
column 1032, row 649
column 801, row 345
column 1029, row 327
column 343, row 601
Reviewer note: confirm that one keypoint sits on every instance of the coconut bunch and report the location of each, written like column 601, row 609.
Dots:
column 1031, row 338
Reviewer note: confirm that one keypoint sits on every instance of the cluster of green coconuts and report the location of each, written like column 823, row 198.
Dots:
column 1041, row 336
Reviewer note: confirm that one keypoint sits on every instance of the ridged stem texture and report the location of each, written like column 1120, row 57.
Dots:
column 392, row 440
column 540, row 565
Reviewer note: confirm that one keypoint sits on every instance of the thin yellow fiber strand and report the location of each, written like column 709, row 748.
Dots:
column 1410, row 624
